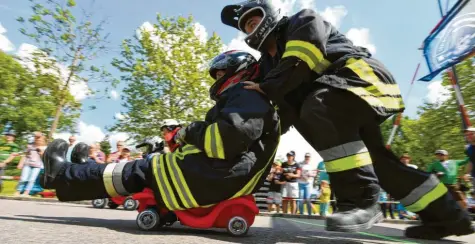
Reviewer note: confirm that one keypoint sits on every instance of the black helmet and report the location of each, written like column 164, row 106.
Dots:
column 235, row 16
column 238, row 65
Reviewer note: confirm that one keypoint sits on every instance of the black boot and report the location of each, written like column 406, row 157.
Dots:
column 443, row 217
column 54, row 159
column 80, row 153
column 357, row 214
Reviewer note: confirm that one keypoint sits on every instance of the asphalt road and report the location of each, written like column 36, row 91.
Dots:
column 41, row 222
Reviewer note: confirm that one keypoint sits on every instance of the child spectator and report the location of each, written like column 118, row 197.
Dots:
column 274, row 197
column 8, row 151
column 325, row 194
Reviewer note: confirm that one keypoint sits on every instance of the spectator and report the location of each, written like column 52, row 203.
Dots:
column 305, row 184
column 31, row 165
column 124, row 156
column 470, row 135
column 385, row 205
column 291, row 171
column 406, row 159
column 404, row 214
column 94, row 155
column 8, row 151
column 100, row 154
column 274, row 197
column 447, row 172
column 113, row 156
column 139, row 155
column 323, row 175
column 72, row 143
column 325, row 194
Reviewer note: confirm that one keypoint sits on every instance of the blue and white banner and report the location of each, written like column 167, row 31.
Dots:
column 452, row 40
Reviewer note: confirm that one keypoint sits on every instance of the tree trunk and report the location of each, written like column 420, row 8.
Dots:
column 56, row 120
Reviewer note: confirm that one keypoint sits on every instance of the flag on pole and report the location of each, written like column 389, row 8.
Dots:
column 452, row 40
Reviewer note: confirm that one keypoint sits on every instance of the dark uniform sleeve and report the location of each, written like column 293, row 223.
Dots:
column 239, row 124
column 304, row 52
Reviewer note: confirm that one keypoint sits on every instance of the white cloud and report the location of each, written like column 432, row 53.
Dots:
column 5, row 44
column 293, row 141
column 334, row 15
column 360, row 37
column 304, row 4
column 200, row 32
column 89, row 133
column 119, row 116
column 238, row 43
column 437, row 93
column 114, row 94
column 78, row 89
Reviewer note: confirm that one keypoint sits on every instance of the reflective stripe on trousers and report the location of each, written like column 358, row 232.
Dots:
column 419, row 198
column 346, row 156
column 112, row 178
column 170, row 180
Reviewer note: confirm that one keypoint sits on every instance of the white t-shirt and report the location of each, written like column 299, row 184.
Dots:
column 308, row 173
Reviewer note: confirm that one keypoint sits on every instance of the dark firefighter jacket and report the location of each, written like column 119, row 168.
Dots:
column 312, row 52
column 228, row 155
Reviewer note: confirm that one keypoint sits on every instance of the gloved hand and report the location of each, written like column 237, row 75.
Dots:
column 180, row 136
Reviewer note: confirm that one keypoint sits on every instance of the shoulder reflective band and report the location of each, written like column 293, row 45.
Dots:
column 307, row 52
column 213, row 142
column 345, row 157
column 107, row 179
column 163, row 183
column 419, row 198
column 117, row 179
column 247, row 189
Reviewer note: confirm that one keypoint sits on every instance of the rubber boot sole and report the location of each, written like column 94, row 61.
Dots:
column 378, row 218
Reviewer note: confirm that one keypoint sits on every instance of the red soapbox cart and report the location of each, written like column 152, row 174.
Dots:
column 235, row 215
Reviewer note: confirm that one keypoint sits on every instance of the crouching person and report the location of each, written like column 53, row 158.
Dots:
column 226, row 156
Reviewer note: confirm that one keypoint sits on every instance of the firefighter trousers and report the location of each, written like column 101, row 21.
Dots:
column 345, row 131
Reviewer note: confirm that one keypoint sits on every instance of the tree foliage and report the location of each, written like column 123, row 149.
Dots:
column 164, row 68
column 105, row 145
column 28, row 100
column 439, row 125
column 67, row 47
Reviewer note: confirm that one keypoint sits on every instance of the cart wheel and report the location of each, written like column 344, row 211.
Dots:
column 112, row 205
column 100, row 203
column 237, row 226
column 148, row 219
column 130, row 204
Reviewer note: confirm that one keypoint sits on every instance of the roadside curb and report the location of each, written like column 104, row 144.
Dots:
column 290, row 216
column 272, row 215
column 33, row 199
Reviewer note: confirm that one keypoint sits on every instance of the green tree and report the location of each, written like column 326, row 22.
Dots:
column 28, row 100
column 165, row 71
column 105, row 145
column 439, row 125
column 67, row 47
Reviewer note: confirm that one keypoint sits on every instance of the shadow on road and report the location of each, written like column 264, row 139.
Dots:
column 281, row 230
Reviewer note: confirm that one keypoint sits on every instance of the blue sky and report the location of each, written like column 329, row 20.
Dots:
column 396, row 30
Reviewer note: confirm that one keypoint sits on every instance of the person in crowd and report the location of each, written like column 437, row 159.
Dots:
column 94, row 154
column 100, row 154
column 124, row 155
column 406, row 159
column 72, row 143
column 274, row 197
column 447, row 172
column 470, row 150
column 31, row 165
column 385, row 205
column 113, row 156
column 8, row 151
column 404, row 214
column 291, row 171
column 325, row 194
column 305, row 184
